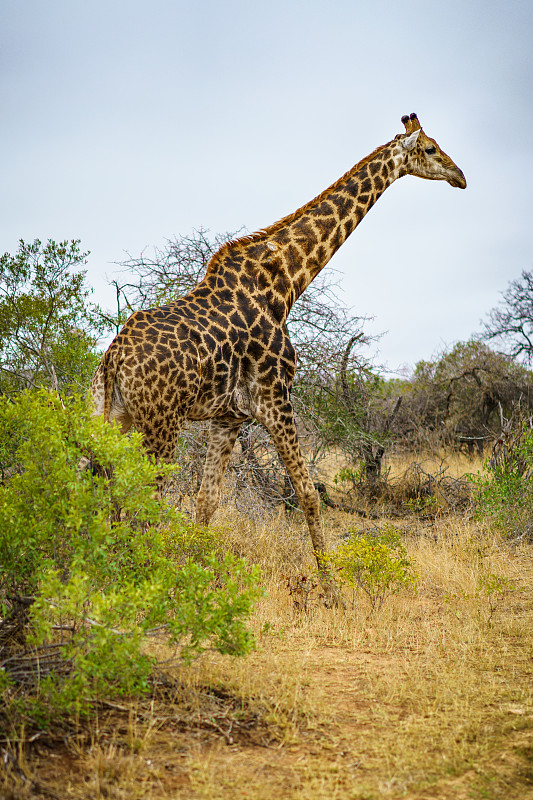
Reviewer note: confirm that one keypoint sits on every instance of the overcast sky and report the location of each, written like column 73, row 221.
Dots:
column 127, row 123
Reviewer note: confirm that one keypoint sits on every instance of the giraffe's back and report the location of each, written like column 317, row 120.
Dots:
column 190, row 359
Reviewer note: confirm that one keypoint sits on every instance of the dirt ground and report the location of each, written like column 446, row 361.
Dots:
column 150, row 752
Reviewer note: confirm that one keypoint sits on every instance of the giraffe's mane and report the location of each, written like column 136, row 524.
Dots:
column 264, row 233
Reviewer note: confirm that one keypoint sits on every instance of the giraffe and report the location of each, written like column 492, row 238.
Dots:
column 222, row 352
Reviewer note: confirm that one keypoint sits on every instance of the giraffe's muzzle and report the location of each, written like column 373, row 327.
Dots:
column 458, row 180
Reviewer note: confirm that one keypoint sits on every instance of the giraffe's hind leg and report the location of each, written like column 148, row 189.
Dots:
column 279, row 421
column 222, row 436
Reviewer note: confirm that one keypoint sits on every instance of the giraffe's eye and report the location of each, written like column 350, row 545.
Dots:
column 431, row 151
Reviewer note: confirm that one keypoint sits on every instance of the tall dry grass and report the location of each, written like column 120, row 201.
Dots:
column 434, row 685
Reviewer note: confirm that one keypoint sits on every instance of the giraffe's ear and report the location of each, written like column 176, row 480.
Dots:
column 410, row 141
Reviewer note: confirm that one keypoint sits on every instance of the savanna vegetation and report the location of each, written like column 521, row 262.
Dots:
column 144, row 657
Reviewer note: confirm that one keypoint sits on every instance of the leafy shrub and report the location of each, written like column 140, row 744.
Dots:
column 375, row 562
column 49, row 329
column 101, row 562
column 349, row 475
column 505, row 492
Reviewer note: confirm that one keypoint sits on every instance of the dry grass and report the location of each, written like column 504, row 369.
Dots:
column 457, row 464
column 429, row 698
column 425, row 484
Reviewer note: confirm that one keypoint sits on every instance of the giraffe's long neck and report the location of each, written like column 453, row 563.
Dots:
column 282, row 260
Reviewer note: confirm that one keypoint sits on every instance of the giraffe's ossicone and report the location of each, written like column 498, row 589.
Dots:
column 223, row 353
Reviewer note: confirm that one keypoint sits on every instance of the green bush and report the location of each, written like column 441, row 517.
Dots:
column 505, row 491
column 375, row 562
column 101, row 561
column 49, row 329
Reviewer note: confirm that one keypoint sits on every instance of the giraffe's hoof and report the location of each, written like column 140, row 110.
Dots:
column 333, row 598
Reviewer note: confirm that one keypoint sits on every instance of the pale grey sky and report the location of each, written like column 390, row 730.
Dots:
column 125, row 123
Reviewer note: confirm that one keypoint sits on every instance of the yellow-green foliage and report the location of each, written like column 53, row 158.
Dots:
column 190, row 541
column 375, row 562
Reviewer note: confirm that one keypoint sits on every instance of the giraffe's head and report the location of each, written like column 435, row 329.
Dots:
column 425, row 159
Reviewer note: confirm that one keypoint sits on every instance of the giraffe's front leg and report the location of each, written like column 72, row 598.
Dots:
column 279, row 421
column 222, row 436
